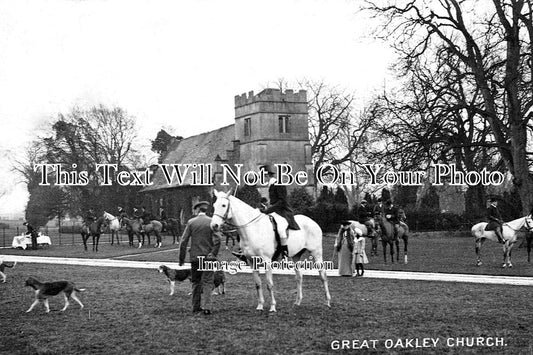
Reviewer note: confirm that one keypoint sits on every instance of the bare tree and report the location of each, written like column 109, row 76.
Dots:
column 493, row 46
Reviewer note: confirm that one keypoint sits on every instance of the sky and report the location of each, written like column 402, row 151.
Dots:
column 171, row 64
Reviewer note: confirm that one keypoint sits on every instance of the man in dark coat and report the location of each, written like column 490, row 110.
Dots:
column 90, row 217
column 121, row 212
column 204, row 243
column 279, row 204
column 33, row 234
column 495, row 219
column 363, row 212
column 378, row 208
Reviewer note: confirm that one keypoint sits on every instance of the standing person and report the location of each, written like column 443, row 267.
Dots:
column 359, row 254
column 33, row 234
column 344, row 247
column 279, row 204
column 203, row 243
column 495, row 219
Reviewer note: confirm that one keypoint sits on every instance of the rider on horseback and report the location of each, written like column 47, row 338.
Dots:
column 391, row 214
column 495, row 219
column 90, row 217
column 279, row 204
column 365, row 215
column 146, row 217
column 378, row 208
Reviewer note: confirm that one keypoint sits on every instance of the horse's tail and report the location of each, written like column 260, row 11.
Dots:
column 9, row 266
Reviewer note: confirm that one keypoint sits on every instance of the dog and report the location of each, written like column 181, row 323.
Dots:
column 43, row 290
column 184, row 274
column 174, row 275
column 3, row 266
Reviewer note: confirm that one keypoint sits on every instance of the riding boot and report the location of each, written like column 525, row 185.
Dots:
column 362, row 268
column 284, row 252
column 499, row 235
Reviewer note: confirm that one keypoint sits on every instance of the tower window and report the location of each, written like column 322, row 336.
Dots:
column 247, row 127
column 284, row 124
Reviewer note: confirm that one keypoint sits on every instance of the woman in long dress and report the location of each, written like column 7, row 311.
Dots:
column 359, row 254
column 344, row 246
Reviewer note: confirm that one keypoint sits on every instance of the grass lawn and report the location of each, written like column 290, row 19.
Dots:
column 129, row 310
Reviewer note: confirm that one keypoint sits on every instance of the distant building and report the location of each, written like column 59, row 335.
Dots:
column 270, row 127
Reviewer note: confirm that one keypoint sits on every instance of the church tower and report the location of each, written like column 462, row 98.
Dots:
column 272, row 127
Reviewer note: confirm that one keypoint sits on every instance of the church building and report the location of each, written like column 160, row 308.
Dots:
column 269, row 128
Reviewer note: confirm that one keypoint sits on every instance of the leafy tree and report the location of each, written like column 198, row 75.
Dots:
column 301, row 200
column 162, row 142
column 249, row 194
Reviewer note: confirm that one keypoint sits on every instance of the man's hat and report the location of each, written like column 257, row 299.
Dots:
column 363, row 201
column 25, row 223
column 200, row 204
column 269, row 168
column 345, row 223
column 379, row 199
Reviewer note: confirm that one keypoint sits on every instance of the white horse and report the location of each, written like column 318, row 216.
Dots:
column 258, row 240
column 510, row 230
column 114, row 226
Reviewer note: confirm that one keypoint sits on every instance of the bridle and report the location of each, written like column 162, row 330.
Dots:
column 225, row 217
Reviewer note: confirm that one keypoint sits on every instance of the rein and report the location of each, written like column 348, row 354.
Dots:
column 225, row 217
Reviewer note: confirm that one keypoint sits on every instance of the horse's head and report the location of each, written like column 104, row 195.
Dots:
column 528, row 223
column 222, row 210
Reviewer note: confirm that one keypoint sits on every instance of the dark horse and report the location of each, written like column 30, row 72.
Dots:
column 94, row 230
column 156, row 227
column 134, row 228
column 173, row 226
column 387, row 237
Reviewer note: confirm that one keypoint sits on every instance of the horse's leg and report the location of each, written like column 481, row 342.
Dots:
column 324, row 278
column 508, row 255
column 299, row 281
column 139, row 236
column 479, row 244
column 270, row 288
column 397, row 242
column 97, row 240
column 259, row 289
column 529, row 237
column 391, row 246
column 84, row 238
column 405, row 242
column 94, row 242
column 384, row 245
column 158, row 235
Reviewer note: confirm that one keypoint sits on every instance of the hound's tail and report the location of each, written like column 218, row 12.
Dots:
column 10, row 266
column 79, row 289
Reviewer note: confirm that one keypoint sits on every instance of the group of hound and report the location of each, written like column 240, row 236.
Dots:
column 44, row 290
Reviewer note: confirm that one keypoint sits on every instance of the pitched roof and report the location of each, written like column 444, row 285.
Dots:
column 200, row 149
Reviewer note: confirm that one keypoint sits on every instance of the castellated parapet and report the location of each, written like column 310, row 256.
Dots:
column 274, row 95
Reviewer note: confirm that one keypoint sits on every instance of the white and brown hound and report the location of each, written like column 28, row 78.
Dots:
column 43, row 290
column 3, row 266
